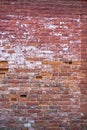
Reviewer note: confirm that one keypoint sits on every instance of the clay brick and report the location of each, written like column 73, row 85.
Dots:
column 3, row 64
column 1, row 76
column 50, row 95
column 13, row 97
column 47, row 74
column 55, row 63
column 34, row 59
column 24, row 128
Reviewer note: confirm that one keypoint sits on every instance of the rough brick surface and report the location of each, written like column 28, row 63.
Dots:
column 43, row 65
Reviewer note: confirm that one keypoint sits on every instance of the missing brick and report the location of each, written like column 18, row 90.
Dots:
column 23, row 95
column 39, row 77
column 68, row 62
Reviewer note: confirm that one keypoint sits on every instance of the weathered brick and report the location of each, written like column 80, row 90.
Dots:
column 43, row 47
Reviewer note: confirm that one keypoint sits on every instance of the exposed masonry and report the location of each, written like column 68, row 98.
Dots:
column 41, row 89
column 29, row 33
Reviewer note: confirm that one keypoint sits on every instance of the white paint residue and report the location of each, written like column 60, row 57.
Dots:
column 27, row 125
column 65, row 49
column 0, row 41
column 18, row 58
column 74, row 42
column 51, row 18
column 13, row 16
column 82, row 114
column 1, row 48
column 64, row 38
column 37, row 63
column 47, row 52
column 12, row 36
column 78, row 41
column 31, row 48
column 3, row 33
column 26, row 33
column 78, row 20
column 62, row 23
column 23, row 25
column 66, row 27
column 63, row 114
column 32, row 64
column 64, row 45
column 60, row 52
column 71, row 42
column 29, row 17
column 14, row 88
column 50, row 26
column 57, row 34
column 17, row 23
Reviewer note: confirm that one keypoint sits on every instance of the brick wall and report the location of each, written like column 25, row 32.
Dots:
column 43, row 65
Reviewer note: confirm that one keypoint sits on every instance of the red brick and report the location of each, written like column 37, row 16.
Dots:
column 43, row 69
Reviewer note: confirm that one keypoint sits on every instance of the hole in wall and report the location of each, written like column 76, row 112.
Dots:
column 38, row 77
column 23, row 95
column 68, row 62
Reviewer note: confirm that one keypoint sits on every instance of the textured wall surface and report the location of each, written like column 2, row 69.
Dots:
column 43, row 65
